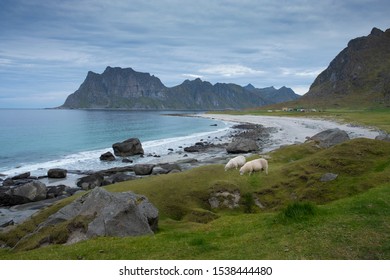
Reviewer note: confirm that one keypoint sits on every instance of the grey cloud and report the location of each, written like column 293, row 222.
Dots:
column 63, row 40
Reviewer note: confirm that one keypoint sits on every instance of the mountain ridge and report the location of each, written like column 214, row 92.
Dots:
column 358, row 75
column 125, row 88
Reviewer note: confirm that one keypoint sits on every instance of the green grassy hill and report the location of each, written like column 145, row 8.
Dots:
column 302, row 218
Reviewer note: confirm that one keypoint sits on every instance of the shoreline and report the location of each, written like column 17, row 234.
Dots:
column 214, row 152
column 280, row 131
column 292, row 130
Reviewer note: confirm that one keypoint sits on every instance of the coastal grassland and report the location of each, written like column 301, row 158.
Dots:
column 301, row 217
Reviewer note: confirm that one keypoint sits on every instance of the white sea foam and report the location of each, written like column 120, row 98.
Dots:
column 89, row 160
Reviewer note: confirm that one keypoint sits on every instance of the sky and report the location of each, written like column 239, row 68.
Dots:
column 48, row 47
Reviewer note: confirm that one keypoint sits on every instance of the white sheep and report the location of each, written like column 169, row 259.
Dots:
column 254, row 165
column 235, row 163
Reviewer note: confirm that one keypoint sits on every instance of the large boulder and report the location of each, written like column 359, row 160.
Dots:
column 108, row 156
column 143, row 169
column 30, row 192
column 242, row 145
column 90, row 182
column 57, row 173
column 330, row 137
column 107, row 214
column 128, row 147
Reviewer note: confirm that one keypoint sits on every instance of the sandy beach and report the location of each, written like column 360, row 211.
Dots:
column 290, row 130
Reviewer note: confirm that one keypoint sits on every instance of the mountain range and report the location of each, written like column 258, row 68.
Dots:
column 125, row 88
column 359, row 76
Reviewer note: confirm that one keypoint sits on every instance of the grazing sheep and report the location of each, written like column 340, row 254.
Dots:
column 235, row 163
column 255, row 165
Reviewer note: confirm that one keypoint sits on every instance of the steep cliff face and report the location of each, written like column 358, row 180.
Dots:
column 359, row 73
column 126, row 88
column 117, row 88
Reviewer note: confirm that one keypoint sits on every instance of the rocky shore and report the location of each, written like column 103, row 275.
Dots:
column 23, row 195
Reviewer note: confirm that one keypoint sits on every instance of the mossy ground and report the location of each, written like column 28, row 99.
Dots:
column 303, row 218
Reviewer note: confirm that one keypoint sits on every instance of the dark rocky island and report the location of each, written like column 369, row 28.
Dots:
column 124, row 88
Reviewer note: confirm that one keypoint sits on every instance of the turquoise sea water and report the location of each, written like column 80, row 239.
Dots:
column 74, row 139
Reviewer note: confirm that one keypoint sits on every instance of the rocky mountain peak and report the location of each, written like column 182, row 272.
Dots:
column 376, row 32
column 361, row 69
column 249, row 87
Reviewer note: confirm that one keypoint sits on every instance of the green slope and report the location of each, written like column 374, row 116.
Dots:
column 347, row 218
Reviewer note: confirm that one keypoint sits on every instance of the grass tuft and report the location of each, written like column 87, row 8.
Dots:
column 298, row 211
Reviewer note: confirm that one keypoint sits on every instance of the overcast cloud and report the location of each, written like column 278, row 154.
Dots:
column 47, row 47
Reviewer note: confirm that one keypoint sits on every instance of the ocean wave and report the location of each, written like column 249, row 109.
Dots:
column 89, row 160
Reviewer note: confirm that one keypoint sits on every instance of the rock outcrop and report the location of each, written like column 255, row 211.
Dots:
column 101, row 213
column 225, row 199
column 242, row 145
column 29, row 192
column 330, row 137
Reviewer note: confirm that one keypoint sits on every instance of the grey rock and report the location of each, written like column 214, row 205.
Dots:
column 111, row 171
column 225, row 199
column 198, row 147
column 116, row 178
column 242, row 145
column 107, row 157
column 110, row 214
column 143, row 169
column 90, row 182
column 25, row 175
column 8, row 182
column 330, row 137
column 327, row 177
column 159, row 171
column 57, row 173
column 128, row 147
column 383, row 137
column 30, row 192
column 56, row 191
column 170, row 166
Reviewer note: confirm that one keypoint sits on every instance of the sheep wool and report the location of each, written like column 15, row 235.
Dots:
column 236, row 162
column 254, row 165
